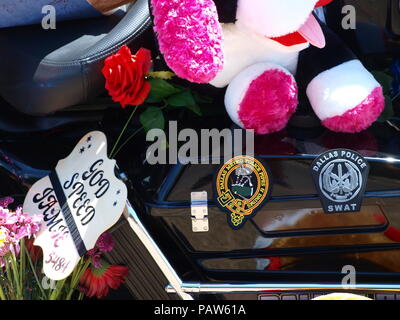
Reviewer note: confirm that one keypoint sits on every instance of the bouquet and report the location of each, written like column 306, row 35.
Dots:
column 21, row 262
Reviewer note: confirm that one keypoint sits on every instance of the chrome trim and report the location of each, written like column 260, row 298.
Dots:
column 155, row 252
column 191, row 287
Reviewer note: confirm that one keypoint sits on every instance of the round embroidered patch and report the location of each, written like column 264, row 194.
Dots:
column 242, row 186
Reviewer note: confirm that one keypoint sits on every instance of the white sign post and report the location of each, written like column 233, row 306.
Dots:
column 79, row 200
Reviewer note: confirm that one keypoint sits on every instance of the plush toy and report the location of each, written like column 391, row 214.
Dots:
column 256, row 47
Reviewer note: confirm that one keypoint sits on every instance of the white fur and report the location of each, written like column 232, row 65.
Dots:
column 238, row 87
column 243, row 49
column 273, row 18
column 337, row 90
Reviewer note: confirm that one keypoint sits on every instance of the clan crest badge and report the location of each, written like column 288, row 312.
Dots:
column 340, row 177
column 242, row 186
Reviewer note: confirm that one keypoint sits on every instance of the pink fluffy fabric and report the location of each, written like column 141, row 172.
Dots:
column 360, row 117
column 190, row 37
column 269, row 102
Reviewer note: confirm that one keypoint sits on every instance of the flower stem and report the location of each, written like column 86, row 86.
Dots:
column 57, row 291
column 122, row 132
column 77, row 276
column 9, row 278
column 127, row 140
column 35, row 274
column 2, row 295
column 18, row 284
column 134, row 134
column 22, row 263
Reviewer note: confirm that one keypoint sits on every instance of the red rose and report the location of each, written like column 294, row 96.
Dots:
column 125, row 76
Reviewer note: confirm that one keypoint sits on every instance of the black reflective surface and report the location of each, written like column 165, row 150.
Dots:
column 289, row 240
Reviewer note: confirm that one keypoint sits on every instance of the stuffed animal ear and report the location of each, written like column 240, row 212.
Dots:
column 190, row 37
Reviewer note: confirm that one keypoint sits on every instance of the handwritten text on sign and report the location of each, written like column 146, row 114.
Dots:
column 79, row 200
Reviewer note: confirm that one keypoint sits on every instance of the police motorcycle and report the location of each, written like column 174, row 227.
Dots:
column 330, row 214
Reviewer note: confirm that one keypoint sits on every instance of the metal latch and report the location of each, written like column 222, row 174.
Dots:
column 199, row 211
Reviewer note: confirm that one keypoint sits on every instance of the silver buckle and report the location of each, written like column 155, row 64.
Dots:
column 199, row 211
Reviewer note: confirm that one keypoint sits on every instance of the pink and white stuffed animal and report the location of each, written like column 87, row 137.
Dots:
column 255, row 47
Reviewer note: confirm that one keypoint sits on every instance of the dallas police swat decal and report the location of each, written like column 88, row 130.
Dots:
column 340, row 177
column 242, row 187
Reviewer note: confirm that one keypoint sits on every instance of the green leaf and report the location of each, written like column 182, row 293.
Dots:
column 152, row 118
column 200, row 99
column 385, row 81
column 195, row 108
column 184, row 99
column 181, row 99
column 160, row 89
column 153, row 99
column 388, row 112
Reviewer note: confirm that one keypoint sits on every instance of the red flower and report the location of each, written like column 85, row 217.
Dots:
column 125, row 76
column 98, row 281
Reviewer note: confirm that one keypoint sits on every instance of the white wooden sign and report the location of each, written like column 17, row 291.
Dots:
column 79, row 200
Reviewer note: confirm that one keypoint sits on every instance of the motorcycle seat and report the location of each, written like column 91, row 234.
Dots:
column 44, row 71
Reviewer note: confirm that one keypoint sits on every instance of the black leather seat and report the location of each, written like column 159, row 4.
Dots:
column 43, row 71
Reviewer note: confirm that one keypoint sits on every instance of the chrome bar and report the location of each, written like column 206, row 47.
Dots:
column 155, row 252
column 191, row 287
